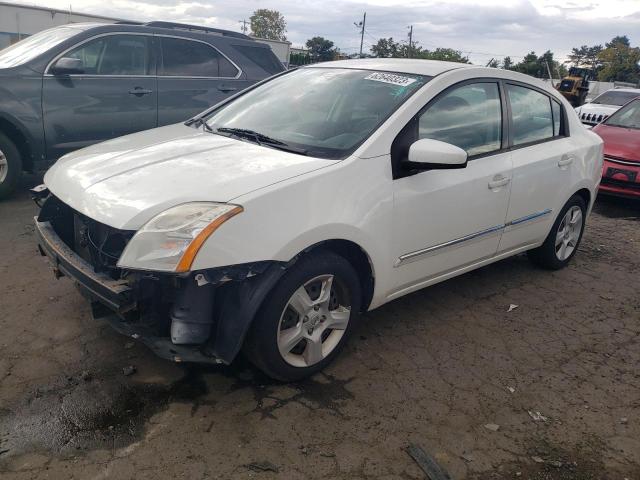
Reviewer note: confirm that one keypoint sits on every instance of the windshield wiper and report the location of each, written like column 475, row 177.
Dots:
column 260, row 139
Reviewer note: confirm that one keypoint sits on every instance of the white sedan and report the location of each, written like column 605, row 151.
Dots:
column 271, row 220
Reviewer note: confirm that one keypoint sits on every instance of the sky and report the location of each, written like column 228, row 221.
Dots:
column 481, row 29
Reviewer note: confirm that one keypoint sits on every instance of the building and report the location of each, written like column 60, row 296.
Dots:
column 20, row 21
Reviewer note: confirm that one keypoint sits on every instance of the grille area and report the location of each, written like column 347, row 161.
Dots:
column 100, row 245
column 593, row 118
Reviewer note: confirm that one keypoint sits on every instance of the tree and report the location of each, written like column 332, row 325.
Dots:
column 386, row 48
column 619, row 61
column 446, row 54
column 586, row 56
column 269, row 24
column 493, row 63
column 321, row 49
column 507, row 63
column 536, row 66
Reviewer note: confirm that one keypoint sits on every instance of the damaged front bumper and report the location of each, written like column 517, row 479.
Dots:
column 198, row 317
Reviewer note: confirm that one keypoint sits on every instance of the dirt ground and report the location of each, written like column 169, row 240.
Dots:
column 549, row 390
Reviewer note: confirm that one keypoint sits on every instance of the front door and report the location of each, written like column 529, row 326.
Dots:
column 115, row 94
column 446, row 220
column 193, row 76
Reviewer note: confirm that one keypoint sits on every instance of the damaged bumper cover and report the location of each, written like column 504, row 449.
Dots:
column 198, row 316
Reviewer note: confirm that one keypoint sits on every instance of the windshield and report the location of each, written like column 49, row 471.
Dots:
column 613, row 97
column 628, row 116
column 323, row 112
column 32, row 46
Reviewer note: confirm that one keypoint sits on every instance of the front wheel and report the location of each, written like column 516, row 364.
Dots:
column 306, row 319
column 562, row 242
column 10, row 166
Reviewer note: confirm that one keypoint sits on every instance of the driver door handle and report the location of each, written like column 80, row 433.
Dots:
column 498, row 181
column 139, row 91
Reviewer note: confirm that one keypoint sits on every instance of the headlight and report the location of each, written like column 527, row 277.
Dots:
column 171, row 240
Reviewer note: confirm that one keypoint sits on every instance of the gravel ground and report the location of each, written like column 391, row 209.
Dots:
column 548, row 390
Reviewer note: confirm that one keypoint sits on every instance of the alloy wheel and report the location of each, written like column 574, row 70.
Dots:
column 4, row 166
column 568, row 233
column 314, row 321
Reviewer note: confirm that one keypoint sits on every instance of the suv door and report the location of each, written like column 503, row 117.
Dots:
column 445, row 220
column 544, row 160
column 192, row 76
column 114, row 93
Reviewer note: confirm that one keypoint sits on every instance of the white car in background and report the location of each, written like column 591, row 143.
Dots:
column 272, row 220
column 601, row 107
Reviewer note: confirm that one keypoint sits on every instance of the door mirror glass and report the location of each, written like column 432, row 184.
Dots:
column 433, row 154
column 67, row 66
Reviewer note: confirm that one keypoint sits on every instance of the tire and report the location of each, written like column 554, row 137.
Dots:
column 10, row 166
column 287, row 310
column 551, row 255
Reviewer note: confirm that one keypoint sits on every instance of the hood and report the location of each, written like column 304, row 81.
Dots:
column 620, row 142
column 124, row 182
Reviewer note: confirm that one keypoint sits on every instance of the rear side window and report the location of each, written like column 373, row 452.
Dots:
column 532, row 117
column 469, row 117
column 186, row 58
column 263, row 57
column 114, row 55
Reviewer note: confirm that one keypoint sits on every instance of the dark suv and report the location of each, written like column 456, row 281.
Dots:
column 78, row 84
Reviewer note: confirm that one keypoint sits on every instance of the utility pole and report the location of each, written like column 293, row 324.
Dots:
column 410, row 41
column 244, row 28
column 361, row 25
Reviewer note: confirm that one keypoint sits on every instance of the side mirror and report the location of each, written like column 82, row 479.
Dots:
column 429, row 154
column 67, row 66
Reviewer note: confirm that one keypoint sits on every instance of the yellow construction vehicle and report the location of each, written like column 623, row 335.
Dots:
column 575, row 86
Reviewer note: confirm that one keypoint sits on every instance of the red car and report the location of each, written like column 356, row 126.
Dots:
column 621, row 135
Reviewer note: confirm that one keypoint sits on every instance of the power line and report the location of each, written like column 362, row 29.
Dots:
column 361, row 25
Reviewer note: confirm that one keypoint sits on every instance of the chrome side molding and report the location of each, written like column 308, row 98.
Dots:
column 408, row 257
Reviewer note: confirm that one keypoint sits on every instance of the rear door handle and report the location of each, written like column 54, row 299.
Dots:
column 224, row 88
column 498, row 181
column 139, row 91
column 565, row 161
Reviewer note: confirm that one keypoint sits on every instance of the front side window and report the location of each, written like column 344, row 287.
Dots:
column 531, row 113
column 327, row 112
column 186, row 58
column 35, row 45
column 114, row 55
column 627, row 117
column 469, row 117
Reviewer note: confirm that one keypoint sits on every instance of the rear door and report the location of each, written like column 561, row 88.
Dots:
column 192, row 76
column 115, row 94
column 544, row 160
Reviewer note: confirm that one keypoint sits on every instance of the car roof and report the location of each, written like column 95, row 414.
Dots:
column 399, row 65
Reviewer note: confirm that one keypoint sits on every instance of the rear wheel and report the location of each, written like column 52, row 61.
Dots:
column 10, row 166
column 306, row 319
column 562, row 242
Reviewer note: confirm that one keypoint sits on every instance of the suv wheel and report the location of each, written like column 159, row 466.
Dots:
column 10, row 166
column 306, row 319
column 563, row 240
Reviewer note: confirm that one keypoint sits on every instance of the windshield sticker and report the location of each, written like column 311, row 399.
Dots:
column 391, row 78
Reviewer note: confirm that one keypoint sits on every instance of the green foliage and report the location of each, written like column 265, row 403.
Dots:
column 269, row 24
column 386, row 48
column 619, row 61
column 536, row 66
column 507, row 63
column 389, row 48
column 321, row 49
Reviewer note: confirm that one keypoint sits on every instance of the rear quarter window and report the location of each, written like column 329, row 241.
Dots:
column 261, row 56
